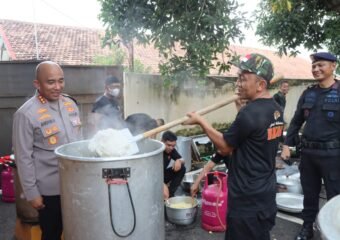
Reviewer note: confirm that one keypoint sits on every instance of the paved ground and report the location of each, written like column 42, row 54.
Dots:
column 287, row 225
column 7, row 220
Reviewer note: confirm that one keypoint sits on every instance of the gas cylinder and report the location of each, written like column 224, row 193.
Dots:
column 7, row 184
column 214, row 202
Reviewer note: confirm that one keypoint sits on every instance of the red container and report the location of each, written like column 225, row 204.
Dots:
column 214, row 202
column 7, row 185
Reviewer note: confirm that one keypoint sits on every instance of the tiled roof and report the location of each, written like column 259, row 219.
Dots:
column 78, row 46
column 63, row 44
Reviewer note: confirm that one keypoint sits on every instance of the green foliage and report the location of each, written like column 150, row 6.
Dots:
column 188, row 34
column 117, row 57
column 307, row 23
column 139, row 67
column 280, row 5
column 197, row 130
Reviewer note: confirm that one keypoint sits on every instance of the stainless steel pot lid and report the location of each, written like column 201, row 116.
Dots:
column 289, row 202
column 328, row 220
column 288, row 182
column 295, row 176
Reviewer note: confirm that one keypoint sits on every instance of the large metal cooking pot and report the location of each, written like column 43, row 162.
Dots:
column 181, row 216
column 183, row 145
column 93, row 209
column 328, row 220
column 290, row 185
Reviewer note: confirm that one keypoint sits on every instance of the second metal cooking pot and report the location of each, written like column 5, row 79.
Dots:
column 291, row 185
column 329, row 218
column 181, row 216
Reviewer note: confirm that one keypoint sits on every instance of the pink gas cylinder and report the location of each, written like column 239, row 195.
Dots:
column 214, row 202
column 7, row 184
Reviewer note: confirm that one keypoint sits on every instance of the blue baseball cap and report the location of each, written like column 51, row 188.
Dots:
column 323, row 56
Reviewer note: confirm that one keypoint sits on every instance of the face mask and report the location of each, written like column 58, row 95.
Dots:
column 114, row 92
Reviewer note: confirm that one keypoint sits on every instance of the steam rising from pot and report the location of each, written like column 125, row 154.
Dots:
column 117, row 143
column 110, row 143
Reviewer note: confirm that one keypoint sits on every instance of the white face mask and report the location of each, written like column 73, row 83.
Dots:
column 114, row 92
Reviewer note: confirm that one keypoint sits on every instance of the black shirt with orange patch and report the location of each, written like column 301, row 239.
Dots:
column 255, row 137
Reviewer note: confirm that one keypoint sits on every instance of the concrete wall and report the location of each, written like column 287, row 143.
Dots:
column 147, row 93
column 84, row 83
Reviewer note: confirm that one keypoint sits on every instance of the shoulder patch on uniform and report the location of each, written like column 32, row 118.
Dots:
column 70, row 109
column 70, row 97
column 277, row 114
column 67, row 104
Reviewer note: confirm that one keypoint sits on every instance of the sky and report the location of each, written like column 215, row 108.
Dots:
column 84, row 13
column 81, row 13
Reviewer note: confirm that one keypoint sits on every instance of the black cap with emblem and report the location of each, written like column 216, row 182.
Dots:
column 323, row 56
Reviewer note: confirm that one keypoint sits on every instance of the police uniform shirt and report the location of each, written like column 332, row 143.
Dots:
column 255, row 136
column 39, row 127
column 320, row 109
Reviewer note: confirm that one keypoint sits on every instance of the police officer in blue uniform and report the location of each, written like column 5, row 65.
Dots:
column 319, row 109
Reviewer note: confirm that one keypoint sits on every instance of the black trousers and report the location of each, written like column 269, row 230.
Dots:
column 317, row 164
column 174, row 178
column 50, row 218
column 250, row 228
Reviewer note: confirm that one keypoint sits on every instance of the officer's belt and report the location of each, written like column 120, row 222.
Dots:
column 320, row 145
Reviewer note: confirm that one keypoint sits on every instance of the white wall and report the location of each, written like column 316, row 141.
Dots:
column 146, row 93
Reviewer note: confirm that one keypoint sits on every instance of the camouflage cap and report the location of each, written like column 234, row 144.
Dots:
column 258, row 64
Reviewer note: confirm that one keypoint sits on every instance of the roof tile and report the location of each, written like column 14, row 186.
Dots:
column 79, row 46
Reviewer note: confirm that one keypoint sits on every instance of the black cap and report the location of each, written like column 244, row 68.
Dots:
column 110, row 80
column 323, row 56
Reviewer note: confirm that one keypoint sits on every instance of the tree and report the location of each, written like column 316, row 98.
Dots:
column 289, row 24
column 118, row 57
column 189, row 34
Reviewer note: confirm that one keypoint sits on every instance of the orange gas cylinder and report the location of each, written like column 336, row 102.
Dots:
column 214, row 202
